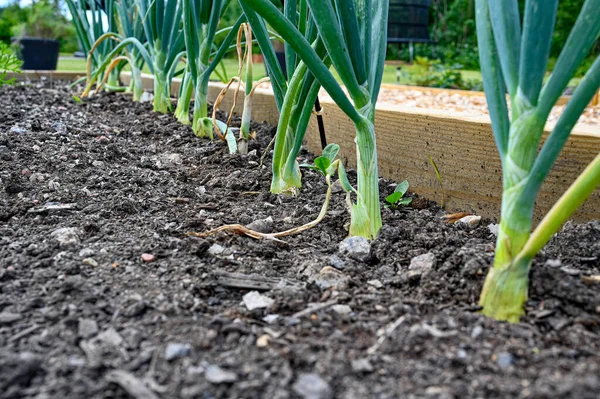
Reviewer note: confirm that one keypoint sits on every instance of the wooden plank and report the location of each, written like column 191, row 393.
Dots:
column 54, row 75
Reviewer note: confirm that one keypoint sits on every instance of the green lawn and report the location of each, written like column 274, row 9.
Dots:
column 66, row 63
column 231, row 67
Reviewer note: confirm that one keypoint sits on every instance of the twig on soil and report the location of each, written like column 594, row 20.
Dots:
column 314, row 308
column 454, row 217
column 24, row 333
column 131, row 384
column 243, row 230
column 437, row 333
column 252, row 282
column 262, row 158
column 388, row 331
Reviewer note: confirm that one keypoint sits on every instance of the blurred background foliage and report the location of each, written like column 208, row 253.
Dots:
column 43, row 18
column 451, row 26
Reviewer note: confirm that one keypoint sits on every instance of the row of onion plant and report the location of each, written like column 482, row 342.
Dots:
column 351, row 37
column 91, row 21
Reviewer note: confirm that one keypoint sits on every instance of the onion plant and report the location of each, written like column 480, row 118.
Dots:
column 514, row 59
column 89, row 30
column 186, row 90
column 130, row 24
column 115, row 58
column 131, row 31
column 200, row 22
column 353, row 33
column 246, row 81
column 293, row 98
column 164, row 36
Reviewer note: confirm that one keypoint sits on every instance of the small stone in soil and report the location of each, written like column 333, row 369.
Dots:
column 110, row 337
column 263, row 341
column 86, row 253
column 336, row 262
column 477, row 330
column 87, row 328
column 471, row 221
column 8, row 317
column 255, row 300
column 17, row 130
column 146, row 97
column 329, row 277
column 422, row 264
column 216, row 375
column 375, row 283
column 271, row 318
column 59, row 128
column 493, row 228
column 262, row 226
column 505, row 360
column 312, row 386
column 216, row 249
column 36, row 178
column 90, row 261
column 342, row 309
column 558, row 323
column 176, row 350
column 66, row 236
column 148, row 258
column 553, row 263
column 362, row 365
column 357, row 248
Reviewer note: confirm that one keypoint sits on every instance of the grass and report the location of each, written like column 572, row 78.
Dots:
column 231, row 67
column 68, row 63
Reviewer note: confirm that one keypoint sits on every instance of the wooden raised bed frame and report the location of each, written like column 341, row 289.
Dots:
column 462, row 147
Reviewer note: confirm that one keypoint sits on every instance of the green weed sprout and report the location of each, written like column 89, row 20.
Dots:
column 397, row 198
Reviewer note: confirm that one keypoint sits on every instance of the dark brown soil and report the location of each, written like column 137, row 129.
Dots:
column 82, row 315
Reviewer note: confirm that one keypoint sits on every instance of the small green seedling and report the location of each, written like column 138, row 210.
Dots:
column 397, row 198
column 323, row 162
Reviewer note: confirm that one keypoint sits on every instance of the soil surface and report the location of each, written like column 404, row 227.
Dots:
column 102, row 294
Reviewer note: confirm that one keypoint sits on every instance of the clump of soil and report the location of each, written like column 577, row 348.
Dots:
column 102, row 294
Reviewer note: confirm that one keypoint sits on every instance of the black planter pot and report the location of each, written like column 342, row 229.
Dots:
column 38, row 54
column 281, row 58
